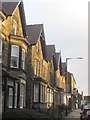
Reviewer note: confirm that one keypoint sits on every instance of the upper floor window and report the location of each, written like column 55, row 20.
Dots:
column 0, row 50
column 0, row 47
column 14, row 27
column 23, row 59
column 14, row 56
column 37, row 47
column 37, row 68
column 43, row 71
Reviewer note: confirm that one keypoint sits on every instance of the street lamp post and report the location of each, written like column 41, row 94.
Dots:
column 67, row 77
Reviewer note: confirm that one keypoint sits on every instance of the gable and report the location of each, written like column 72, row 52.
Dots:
column 17, row 19
column 50, row 51
column 15, row 10
column 33, row 33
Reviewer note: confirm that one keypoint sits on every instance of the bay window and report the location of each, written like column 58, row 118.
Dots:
column 14, row 56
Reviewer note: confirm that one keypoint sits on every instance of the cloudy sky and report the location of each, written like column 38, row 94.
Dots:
column 66, row 26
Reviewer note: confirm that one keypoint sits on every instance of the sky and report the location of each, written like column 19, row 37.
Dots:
column 65, row 25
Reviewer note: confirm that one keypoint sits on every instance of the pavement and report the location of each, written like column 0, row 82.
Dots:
column 75, row 115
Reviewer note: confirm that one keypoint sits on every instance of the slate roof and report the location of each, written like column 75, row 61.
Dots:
column 50, row 51
column 63, row 69
column 58, row 64
column 57, row 55
column 9, row 7
column 33, row 32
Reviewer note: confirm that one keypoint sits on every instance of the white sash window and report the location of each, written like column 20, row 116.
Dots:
column 36, row 93
column 10, row 97
column 15, row 27
column 14, row 56
column 23, row 59
column 22, row 95
column 0, row 50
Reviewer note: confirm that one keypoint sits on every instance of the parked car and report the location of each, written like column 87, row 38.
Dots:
column 85, row 114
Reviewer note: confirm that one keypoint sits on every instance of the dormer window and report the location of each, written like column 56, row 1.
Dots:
column 14, row 56
column 14, row 27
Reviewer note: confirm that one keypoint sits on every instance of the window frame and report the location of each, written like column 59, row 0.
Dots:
column 23, row 59
column 16, row 95
column 1, row 47
column 36, row 93
column 1, row 51
column 10, row 95
column 43, row 93
column 22, row 95
column 14, row 27
column 37, row 47
column 15, row 56
column 37, row 68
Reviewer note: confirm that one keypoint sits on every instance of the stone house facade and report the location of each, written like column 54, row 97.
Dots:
column 14, row 53
column 32, row 72
column 38, row 75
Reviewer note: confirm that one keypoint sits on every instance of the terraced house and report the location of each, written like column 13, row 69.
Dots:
column 72, row 84
column 33, row 75
column 50, row 50
column 38, row 69
column 59, row 80
column 13, row 49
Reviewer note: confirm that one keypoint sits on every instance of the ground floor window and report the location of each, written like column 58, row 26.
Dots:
column 16, row 95
column 49, row 97
column 40, row 93
column 10, row 100
column 36, row 93
column 22, row 95
column 43, row 93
